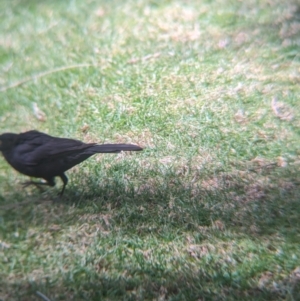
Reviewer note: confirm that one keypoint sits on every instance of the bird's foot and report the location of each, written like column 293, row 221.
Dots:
column 36, row 184
column 27, row 183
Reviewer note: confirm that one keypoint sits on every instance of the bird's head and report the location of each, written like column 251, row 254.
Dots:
column 7, row 141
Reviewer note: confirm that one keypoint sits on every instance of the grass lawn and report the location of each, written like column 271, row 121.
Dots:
column 210, row 210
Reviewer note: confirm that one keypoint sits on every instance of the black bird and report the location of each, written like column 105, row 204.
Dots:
column 39, row 155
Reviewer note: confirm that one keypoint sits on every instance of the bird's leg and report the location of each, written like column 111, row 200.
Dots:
column 65, row 181
column 36, row 184
column 50, row 182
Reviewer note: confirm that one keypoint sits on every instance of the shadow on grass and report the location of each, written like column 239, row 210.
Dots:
column 254, row 204
column 155, row 285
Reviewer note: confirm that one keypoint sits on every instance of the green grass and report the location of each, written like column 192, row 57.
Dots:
column 210, row 209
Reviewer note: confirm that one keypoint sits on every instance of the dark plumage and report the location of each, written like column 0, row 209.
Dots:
column 39, row 155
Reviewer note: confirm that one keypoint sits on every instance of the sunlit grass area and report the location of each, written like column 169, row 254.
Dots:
column 210, row 209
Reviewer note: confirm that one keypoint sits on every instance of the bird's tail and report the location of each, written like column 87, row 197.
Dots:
column 114, row 148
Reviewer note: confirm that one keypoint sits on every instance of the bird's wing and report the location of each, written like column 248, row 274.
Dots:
column 35, row 147
column 47, row 148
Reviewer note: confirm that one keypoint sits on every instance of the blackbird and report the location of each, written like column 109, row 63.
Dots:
column 39, row 155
